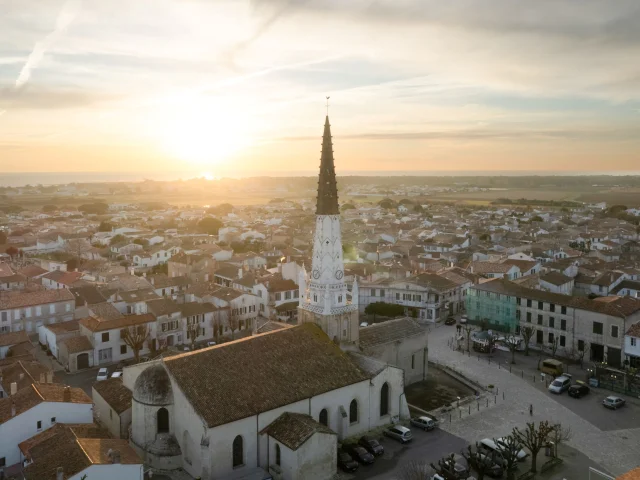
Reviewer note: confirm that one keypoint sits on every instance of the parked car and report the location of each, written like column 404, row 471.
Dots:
column 579, row 389
column 425, row 423
column 613, row 402
column 103, row 374
column 364, row 324
column 460, row 466
column 211, row 344
column 495, row 467
column 372, row 445
column 432, row 417
column 400, row 433
column 560, row 384
column 463, row 319
column 116, row 374
column 360, row 454
column 450, row 321
column 346, row 463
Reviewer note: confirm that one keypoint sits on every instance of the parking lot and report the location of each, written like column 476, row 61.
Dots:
column 425, row 447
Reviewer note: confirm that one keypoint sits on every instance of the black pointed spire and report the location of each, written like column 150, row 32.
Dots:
column 327, row 187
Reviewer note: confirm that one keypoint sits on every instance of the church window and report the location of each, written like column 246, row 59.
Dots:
column 413, row 362
column 163, row 420
column 315, row 297
column 339, row 298
column 277, row 454
column 238, row 453
column 384, row 399
column 324, row 417
column 353, row 411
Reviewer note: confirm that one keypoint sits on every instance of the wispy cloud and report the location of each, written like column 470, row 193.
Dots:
column 67, row 15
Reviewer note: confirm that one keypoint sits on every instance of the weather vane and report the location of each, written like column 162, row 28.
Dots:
column 328, row 106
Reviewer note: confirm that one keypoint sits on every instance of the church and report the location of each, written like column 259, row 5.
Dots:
column 276, row 404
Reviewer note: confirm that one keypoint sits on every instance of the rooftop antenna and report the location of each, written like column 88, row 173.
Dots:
column 328, row 106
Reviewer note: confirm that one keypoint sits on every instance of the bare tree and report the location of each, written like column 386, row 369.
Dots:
column 560, row 435
column 467, row 331
column 445, row 468
column 477, row 461
column 580, row 354
column 77, row 247
column 552, row 347
column 415, row 470
column 511, row 342
column 527, row 334
column 534, row 438
column 216, row 325
column 234, row 321
column 509, row 449
column 135, row 337
column 193, row 331
column 631, row 377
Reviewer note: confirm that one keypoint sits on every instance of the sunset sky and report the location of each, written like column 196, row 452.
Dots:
column 237, row 87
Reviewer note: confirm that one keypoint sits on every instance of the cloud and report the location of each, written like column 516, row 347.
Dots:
column 35, row 97
column 65, row 17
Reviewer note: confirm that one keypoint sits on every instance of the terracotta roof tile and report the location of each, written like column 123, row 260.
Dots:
column 63, row 327
column 114, row 393
column 77, row 344
column 11, row 300
column 278, row 368
column 97, row 325
column 389, row 331
column 13, row 338
column 294, row 429
column 105, row 311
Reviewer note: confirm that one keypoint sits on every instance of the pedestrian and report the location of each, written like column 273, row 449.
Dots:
column 531, row 409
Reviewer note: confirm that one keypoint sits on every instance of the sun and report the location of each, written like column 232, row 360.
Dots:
column 204, row 132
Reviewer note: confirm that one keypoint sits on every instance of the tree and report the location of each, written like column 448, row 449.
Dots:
column 97, row 208
column 537, row 218
column 234, row 321
column 527, row 333
column 534, row 438
column 384, row 309
column 222, row 209
column 210, row 225
column 135, row 337
column 415, row 470
column 387, row 203
column 552, row 347
column 141, row 241
column 417, row 208
column 560, row 435
column 509, row 449
column 193, row 330
column 77, row 247
column 49, row 208
column 217, row 326
column 105, row 226
column 348, row 206
column 485, row 237
column 476, row 459
column 12, row 251
column 445, row 468
column 117, row 239
column 511, row 342
column 349, row 252
column 3, row 238
column 467, row 332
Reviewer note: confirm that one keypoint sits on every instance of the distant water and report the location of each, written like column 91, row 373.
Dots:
column 59, row 178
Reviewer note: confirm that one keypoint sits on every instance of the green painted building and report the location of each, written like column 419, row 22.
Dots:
column 492, row 301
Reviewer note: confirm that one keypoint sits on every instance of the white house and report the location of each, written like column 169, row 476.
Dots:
column 35, row 409
column 632, row 345
column 155, row 256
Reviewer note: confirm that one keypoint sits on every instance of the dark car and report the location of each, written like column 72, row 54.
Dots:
column 578, row 390
column 372, row 445
column 495, row 469
column 450, row 321
column 346, row 463
column 360, row 454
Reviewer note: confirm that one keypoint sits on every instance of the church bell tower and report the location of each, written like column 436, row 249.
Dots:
column 324, row 297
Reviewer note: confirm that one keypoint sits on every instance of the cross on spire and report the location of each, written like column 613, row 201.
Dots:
column 328, row 106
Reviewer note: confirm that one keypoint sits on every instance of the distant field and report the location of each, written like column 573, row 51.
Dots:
column 623, row 197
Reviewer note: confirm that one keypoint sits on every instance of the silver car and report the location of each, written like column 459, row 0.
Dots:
column 560, row 384
column 400, row 433
column 613, row 402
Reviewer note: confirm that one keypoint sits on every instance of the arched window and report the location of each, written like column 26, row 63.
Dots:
column 277, row 454
column 238, row 453
column 163, row 420
column 384, row 399
column 353, row 411
column 324, row 417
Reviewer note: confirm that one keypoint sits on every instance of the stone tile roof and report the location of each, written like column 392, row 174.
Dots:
column 84, row 430
column 556, row 278
column 490, row 267
column 369, row 365
column 29, row 397
column 389, row 331
column 105, row 311
column 97, row 450
column 23, row 374
column 434, row 281
column 272, row 326
column 195, row 308
column 294, row 429
column 227, row 294
column 32, row 271
column 115, row 394
column 256, row 374
column 630, row 284
column 227, row 271
column 63, row 327
column 141, row 295
column 89, row 295
column 13, row 338
column 66, row 278
column 77, row 344
column 11, row 300
column 281, row 285
column 98, row 325
column 162, row 280
column 162, row 306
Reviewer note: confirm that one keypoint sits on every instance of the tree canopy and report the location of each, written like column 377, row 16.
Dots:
column 209, row 225
column 97, row 208
column 387, row 203
column 222, row 209
column 384, row 309
column 105, row 226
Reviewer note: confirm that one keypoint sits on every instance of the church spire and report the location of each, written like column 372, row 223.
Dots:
column 327, row 188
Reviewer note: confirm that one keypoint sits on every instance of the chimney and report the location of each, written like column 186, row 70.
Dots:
column 42, row 377
column 60, row 473
column 21, row 376
column 152, row 281
column 13, row 408
column 14, row 388
column 240, row 273
column 115, row 456
column 50, row 376
column 66, row 396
